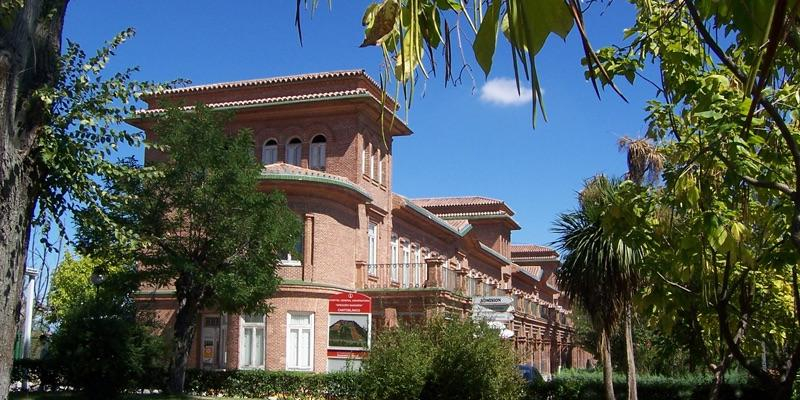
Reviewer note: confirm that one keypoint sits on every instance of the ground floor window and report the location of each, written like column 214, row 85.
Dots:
column 299, row 341
column 251, row 342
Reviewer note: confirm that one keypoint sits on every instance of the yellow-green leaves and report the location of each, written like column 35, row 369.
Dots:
column 486, row 39
column 379, row 21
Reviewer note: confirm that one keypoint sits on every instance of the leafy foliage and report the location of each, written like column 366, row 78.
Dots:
column 265, row 384
column 84, row 112
column 198, row 222
column 102, row 346
column 72, row 287
column 441, row 360
column 569, row 385
column 725, row 237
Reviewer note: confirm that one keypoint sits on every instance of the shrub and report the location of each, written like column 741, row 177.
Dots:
column 442, row 360
column 583, row 385
column 399, row 365
column 101, row 348
column 264, row 384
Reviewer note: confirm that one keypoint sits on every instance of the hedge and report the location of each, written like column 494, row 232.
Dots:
column 568, row 385
column 583, row 385
column 263, row 384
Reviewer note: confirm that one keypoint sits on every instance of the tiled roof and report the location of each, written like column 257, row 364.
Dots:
column 456, row 201
column 535, row 275
column 457, row 223
column 433, row 217
column 494, row 253
column 473, row 214
column 267, row 81
column 288, row 172
column 531, row 250
column 273, row 100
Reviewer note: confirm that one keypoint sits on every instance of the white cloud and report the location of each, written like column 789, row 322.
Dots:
column 503, row 91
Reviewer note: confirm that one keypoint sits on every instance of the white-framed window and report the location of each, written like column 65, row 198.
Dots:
column 380, row 167
column 372, row 238
column 394, row 253
column 316, row 159
column 417, row 266
column 364, row 160
column 295, row 257
column 293, row 151
column 406, row 262
column 251, row 341
column 445, row 273
column 300, row 341
column 269, row 154
column 372, row 165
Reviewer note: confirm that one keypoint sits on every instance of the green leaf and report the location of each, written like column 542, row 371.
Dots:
column 486, row 39
column 537, row 19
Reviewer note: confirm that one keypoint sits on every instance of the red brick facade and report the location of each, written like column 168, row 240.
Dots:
column 424, row 256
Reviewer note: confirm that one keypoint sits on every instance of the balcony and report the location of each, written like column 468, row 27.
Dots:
column 408, row 276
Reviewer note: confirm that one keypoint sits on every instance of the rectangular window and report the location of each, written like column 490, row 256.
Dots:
column 394, row 258
column 317, row 156
column 372, row 235
column 380, row 168
column 295, row 257
column 364, row 161
column 293, row 155
column 251, row 341
column 299, row 341
column 372, row 166
column 270, row 154
column 406, row 266
column 418, row 267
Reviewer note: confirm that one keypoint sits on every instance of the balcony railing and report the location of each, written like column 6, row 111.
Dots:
column 417, row 275
column 401, row 276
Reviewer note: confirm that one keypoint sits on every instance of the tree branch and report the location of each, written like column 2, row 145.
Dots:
column 773, row 112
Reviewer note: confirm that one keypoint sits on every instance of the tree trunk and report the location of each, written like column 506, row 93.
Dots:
column 632, row 393
column 16, row 208
column 184, row 328
column 29, row 50
column 608, row 369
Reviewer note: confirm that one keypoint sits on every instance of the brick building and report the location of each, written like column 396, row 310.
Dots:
column 326, row 141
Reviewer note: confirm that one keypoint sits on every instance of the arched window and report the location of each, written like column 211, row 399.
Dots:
column 269, row 154
column 293, row 152
column 316, row 159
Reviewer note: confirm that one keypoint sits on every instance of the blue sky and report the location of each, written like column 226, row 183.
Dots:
column 463, row 144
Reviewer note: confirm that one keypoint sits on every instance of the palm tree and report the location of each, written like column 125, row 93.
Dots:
column 644, row 161
column 598, row 271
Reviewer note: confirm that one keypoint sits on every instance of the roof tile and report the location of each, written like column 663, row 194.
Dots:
column 273, row 80
column 456, row 201
column 520, row 250
column 269, row 100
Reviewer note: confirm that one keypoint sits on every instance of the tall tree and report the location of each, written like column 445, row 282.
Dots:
column 599, row 269
column 727, row 114
column 199, row 224
column 59, row 125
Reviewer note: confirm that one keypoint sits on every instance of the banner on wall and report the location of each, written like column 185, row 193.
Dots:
column 349, row 330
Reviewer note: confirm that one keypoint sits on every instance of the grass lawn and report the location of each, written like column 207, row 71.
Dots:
column 68, row 396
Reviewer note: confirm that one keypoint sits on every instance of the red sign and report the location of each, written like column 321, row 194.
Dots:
column 346, row 354
column 350, row 303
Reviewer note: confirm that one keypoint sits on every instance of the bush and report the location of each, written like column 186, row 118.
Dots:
column 583, row 385
column 263, row 384
column 101, row 348
column 442, row 360
column 36, row 371
column 399, row 365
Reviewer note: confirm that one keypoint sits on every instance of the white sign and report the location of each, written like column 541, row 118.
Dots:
column 493, row 316
column 492, row 301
